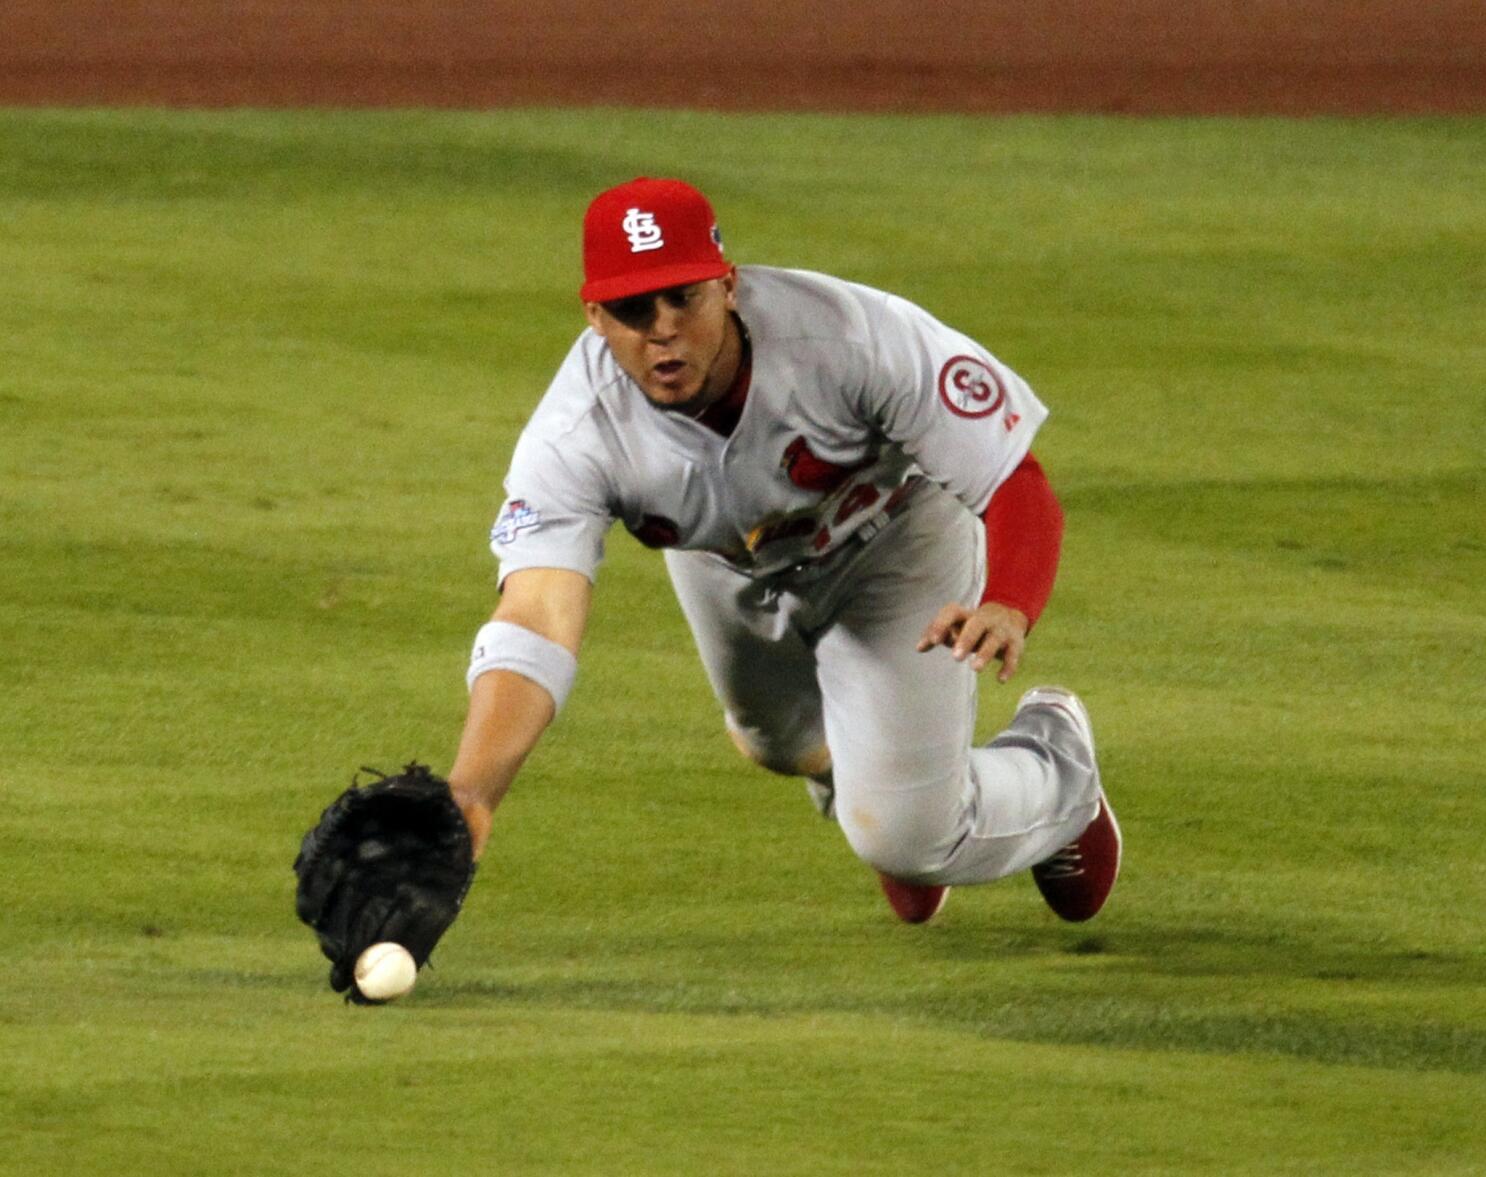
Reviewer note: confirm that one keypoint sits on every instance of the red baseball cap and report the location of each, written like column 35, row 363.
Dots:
column 646, row 235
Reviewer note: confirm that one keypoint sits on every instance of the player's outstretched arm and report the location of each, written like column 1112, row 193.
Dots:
column 508, row 711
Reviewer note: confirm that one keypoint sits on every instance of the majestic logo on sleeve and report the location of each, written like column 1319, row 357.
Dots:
column 970, row 388
column 515, row 518
column 642, row 231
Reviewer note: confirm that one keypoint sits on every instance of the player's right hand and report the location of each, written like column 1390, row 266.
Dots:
column 991, row 631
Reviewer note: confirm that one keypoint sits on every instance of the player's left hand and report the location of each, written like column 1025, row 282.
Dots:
column 991, row 631
column 390, row 860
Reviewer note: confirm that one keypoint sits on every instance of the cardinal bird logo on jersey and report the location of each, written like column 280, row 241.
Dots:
column 809, row 472
column 969, row 387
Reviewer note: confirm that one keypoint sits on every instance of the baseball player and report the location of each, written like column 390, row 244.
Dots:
column 855, row 526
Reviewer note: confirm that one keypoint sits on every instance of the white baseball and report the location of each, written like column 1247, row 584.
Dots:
column 385, row 971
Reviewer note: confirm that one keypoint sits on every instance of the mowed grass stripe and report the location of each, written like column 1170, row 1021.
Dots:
column 624, row 1093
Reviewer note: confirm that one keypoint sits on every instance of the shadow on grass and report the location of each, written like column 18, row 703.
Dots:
column 1140, row 989
column 1281, row 954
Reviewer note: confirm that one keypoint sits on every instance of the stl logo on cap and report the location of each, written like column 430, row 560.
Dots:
column 642, row 231
column 649, row 234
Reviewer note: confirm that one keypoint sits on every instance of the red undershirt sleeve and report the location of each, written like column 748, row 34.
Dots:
column 1024, row 535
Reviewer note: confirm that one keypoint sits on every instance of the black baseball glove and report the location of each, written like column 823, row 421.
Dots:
column 390, row 860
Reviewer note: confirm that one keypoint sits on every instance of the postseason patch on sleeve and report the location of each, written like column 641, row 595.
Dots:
column 515, row 517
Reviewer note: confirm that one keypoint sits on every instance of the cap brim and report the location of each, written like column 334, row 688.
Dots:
column 644, row 281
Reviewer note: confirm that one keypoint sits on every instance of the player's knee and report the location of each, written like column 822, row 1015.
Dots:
column 786, row 756
column 894, row 840
column 751, row 746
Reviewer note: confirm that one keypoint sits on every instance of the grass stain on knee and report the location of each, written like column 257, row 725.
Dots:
column 865, row 819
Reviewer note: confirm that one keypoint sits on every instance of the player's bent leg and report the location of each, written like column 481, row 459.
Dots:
column 761, row 669
column 1034, row 799
column 1043, row 781
column 899, row 722
column 914, row 800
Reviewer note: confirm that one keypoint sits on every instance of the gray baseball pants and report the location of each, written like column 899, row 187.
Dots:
column 827, row 656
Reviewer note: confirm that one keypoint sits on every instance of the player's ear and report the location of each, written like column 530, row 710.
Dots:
column 594, row 313
column 730, row 288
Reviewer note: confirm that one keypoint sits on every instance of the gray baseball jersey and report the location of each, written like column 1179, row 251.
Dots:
column 853, row 392
column 856, row 397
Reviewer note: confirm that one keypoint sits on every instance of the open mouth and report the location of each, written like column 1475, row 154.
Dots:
column 668, row 370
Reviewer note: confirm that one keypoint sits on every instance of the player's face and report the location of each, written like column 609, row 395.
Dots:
column 680, row 345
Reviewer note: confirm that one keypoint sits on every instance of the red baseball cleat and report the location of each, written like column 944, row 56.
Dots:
column 914, row 903
column 1078, row 878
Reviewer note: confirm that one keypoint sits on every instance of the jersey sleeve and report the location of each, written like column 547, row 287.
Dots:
column 556, row 512
column 1024, row 536
column 964, row 417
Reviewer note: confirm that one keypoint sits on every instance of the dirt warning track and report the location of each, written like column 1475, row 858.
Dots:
column 1136, row 56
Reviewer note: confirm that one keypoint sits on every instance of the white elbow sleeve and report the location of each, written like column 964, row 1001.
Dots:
column 501, row 645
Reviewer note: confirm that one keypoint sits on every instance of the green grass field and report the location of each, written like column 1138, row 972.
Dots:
column 259, row 379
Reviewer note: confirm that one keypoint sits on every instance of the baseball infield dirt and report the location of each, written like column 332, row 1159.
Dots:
column 1136, row 56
